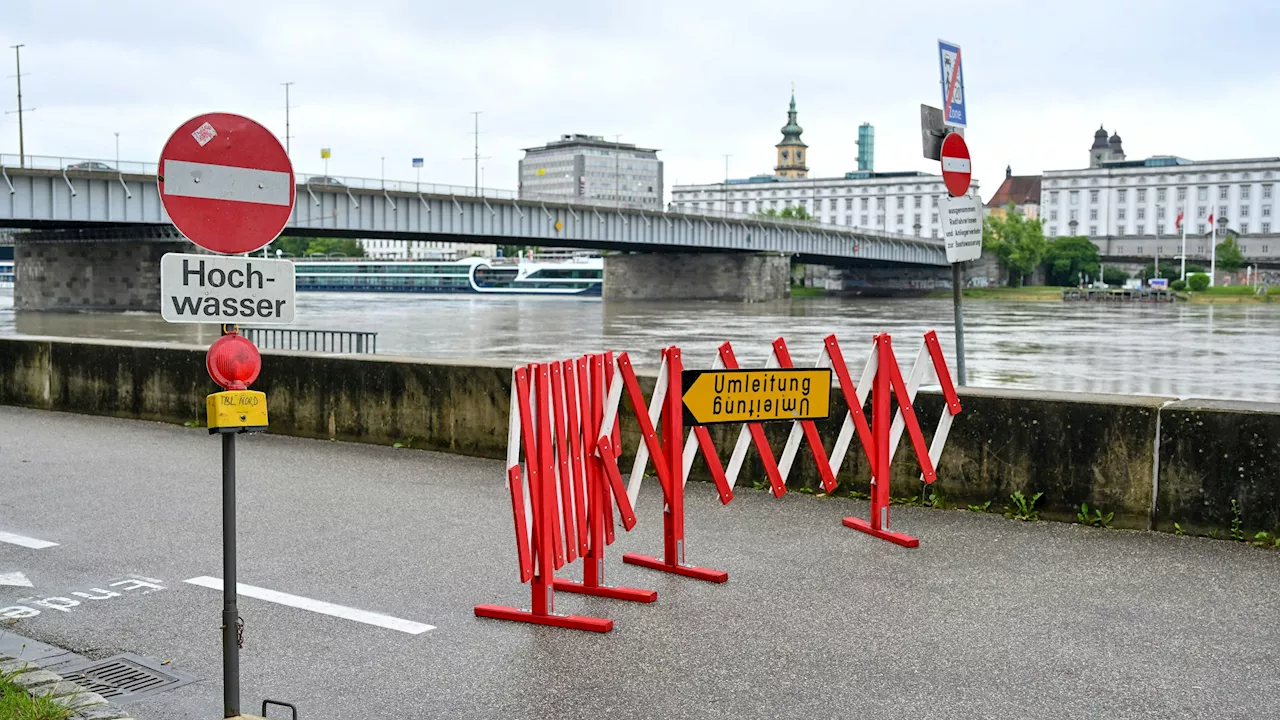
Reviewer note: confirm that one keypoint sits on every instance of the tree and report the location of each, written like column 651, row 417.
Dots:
column 1114, row 275
column 795, row 212
column 1199, row 282
column 1016, row 242
column 1067, row 257
column 304, row 246
column 1230, row 258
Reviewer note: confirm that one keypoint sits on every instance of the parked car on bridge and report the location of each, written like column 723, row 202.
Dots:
column 322, row 180
column 90, row 165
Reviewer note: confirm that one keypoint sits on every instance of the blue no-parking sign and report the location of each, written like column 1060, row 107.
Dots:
column 953, row 107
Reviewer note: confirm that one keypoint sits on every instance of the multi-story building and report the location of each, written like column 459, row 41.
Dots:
column 425, row 250
column 1020, row 191
column 866, row 147
column 588, row 168
column 1130, row 207
column 896, row 202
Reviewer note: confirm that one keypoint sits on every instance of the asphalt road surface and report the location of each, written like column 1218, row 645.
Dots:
column 988, row 618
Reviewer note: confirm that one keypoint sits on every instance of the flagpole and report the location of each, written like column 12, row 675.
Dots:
column 1213, row 254
column 1184, row 246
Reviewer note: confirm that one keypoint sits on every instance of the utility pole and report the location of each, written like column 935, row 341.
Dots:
column 476, row 157
column 726, row 182
column 617, row 154
column 117, row 151
column 22, row 150
column 287, row 136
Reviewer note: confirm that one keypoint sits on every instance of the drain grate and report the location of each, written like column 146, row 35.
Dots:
column 124, row 678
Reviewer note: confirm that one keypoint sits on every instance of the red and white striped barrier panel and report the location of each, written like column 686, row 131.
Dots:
column 562, row 500
column 881, row 378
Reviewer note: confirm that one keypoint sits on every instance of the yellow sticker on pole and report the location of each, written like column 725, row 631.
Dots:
column 237, row 411
column 739, row 396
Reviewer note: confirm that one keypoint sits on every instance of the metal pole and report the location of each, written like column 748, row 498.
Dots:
column 286, row 116
column 956, row 292
column 22, row 150
column 477, row 150
column 230, row 613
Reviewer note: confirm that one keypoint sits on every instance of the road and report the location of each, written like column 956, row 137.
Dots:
column 988, row 618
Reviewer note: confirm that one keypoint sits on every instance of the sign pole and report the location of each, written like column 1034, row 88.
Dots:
column 957, row 293
column 230, row 613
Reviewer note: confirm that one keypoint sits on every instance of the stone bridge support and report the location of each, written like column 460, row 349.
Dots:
column 737, row 277
column 98, row 270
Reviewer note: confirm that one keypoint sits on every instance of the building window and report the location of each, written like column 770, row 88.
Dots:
column 934, row 201
column 1139, row 249
column 1159, row 194
column 848, row 219
column 1093, row 213
column 1200, row 211
column 900, row 218
column 1266, row 192
column 1200, row 249
column 1120, row 214
column 1202, row 193
column 902, row 202
column 1053, row 214
column 1142, row 229
column 864, row 203
column 1222, row 211
column 1142, row 196
column 1266, row 249
column 848, row 203
column 863, row 219
column 1200, row 228
column 1159, row 213
column 916, row 219
column 1053, row 198
column 1266, row 211
column 1244, row 227
column 1075, row 214
column 1244, row 192
column 879, row 203
column 1142, row 213
column 917, row 201
column 1093, row 196
column 1222, row 193
column 1266, row 228
column 1075, row 197
column 880, row 220
column 934, row 218
column 1053, row 231
column 1182, row 194
column 1122, row 195
column 1093, row 229
column 933, row 233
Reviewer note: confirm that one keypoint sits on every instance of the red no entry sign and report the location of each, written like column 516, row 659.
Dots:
column 226, row 183
column 957, row 171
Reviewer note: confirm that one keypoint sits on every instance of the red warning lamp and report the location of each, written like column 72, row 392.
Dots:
column 233, row 362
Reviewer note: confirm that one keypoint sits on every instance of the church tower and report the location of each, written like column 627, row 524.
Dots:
column 791, row 151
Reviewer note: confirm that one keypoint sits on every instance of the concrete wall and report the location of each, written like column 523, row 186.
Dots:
column 1152, row 461
column 116, row 276
column 740, row 277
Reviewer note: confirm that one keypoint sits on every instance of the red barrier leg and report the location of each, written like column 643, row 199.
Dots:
column 880, row 420
column 673, row 514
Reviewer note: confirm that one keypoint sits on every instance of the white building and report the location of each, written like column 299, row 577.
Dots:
column 588, row 168
column 380, row 249
column 1130, row 207
column 898, row 202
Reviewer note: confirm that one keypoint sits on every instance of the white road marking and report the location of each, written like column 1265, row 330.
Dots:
column 318, row 606
column 224, row 182
column 24, row 541
column 15, row 579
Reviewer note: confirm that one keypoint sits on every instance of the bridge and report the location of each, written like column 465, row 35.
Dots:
column 73, row 203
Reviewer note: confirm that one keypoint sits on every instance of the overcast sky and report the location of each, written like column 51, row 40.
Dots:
column 695, row 78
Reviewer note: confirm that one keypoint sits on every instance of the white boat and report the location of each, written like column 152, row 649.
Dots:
column 575, row 275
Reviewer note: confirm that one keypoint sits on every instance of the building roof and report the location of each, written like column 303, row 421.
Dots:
column 792, row 130
column 579, row 140
column 1017, row 189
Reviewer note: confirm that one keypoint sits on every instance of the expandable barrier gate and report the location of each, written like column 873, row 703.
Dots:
column 565, row 416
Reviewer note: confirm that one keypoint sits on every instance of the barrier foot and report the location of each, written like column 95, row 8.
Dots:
column 617, row 593
column 653, row 563
column 573, row 622
column 896, row 538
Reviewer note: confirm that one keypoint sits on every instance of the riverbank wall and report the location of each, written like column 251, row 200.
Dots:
column 1152, row 461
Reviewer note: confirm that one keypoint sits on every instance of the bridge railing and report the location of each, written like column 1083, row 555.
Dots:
column 330, row 341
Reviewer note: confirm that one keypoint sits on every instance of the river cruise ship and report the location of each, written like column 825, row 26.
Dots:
column 554, row 276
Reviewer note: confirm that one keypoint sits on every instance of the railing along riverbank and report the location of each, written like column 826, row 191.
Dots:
column 329, row 341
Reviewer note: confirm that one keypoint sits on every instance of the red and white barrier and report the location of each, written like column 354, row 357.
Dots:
column 561, row 497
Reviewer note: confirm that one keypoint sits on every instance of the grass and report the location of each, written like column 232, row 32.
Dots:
column 800, row 291
column 1234, row 294
column 1036, row 292
column 16, row 704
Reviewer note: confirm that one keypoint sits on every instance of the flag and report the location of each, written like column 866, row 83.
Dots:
column 1178, row 224
column 324, row 153
column 1210, row 219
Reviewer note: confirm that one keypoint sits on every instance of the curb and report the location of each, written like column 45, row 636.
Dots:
column 43, row 683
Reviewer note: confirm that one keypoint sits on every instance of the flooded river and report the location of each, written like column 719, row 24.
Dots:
column 1186, row 350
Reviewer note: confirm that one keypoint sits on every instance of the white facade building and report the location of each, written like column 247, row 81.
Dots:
column 898, row 202
column 425, row 250
column 1130, row 207
column 588, row 168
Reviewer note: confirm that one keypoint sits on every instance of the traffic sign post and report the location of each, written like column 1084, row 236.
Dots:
column 954, row 111
column 957, row 170
column 228, row 186
column 961, row 217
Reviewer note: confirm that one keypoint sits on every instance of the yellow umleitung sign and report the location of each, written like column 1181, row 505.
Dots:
column 237, row 411
column 739, row 396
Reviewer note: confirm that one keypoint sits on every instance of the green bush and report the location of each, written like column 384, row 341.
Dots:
column 1199, row 282
column 1178, row 285
column 1114, row 276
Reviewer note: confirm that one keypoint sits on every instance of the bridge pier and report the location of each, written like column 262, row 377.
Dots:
column 98, row 270
column 739, row 277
